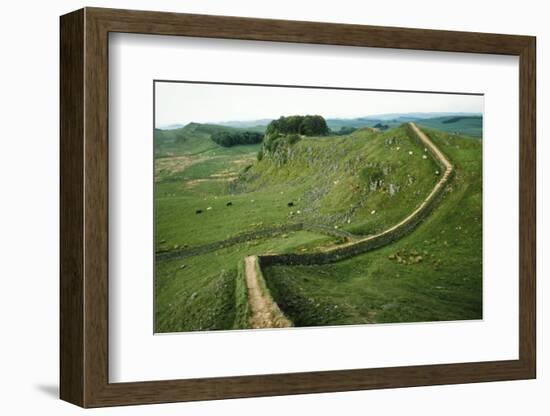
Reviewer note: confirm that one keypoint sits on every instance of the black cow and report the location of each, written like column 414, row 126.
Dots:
column 290, row 204
column 199, row 211
column 229, row 204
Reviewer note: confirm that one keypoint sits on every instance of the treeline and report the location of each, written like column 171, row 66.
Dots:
column 343, row 131
column 310, row 125
column 232, row 138
column 381, row 126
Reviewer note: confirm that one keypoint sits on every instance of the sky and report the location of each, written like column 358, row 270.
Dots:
column 182, row 103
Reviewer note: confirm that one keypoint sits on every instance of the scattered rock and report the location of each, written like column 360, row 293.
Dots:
column 183, row 266
column 406, row 257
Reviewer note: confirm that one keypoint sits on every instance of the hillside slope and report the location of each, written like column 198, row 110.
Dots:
column 459, row 125
column 433, row 274
column 361, row 183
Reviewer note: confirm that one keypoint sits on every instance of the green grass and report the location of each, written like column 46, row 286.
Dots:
column 208, row 292
column 361, row 183
column 433, row 274
column 459, row 125
column 328, row 180
column 468, row 125
column 242, row 309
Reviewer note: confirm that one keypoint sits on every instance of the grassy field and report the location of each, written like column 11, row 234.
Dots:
column 206, row 292
column 433, row 274
column 361, row 183
column 467, row 125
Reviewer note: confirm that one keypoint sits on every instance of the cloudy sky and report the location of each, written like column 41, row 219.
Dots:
column 182, row 103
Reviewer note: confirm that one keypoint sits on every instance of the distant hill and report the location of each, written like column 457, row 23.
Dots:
column 469, row 124
column 247, row 124
column 464, row 125
column 171, row 126
column 192, row 139
column 415, row 116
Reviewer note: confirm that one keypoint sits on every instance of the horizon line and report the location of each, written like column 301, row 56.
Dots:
column 449, row 113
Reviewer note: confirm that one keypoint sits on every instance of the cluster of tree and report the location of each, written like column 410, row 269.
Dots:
column 232, row 138
column 303, row 125
column 344, row 131
column 381, row 126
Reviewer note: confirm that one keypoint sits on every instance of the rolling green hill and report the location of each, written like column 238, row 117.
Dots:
column 336, row 124
column 461, row 125
column 361, row 183
column 192, row 139
column 434, row 273
column 466, row 125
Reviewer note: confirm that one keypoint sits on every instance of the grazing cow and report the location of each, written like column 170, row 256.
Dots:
column 229, row 204
column 290, row 204
column 199, row 211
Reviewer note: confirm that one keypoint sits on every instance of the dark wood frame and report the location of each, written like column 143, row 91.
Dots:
column 84, row 207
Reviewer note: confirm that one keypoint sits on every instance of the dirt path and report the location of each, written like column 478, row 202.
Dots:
column 371, row 242
column 440, row 184
column 264, row 313
column 425, row 139
column 262, row 307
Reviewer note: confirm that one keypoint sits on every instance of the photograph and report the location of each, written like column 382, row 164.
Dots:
column 280, row 206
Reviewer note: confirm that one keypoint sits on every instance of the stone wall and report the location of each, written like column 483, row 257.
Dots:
column 386, row 237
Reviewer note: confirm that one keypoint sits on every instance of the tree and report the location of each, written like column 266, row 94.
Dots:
column 309, row 125
column 231, row 138
column 313, row 126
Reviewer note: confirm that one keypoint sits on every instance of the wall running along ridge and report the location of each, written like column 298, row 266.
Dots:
column 356, row 244
column 362, row 245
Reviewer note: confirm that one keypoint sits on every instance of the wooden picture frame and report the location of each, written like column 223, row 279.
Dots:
column 84, row 207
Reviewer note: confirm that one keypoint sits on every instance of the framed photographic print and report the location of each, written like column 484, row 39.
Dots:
column 255, row 207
